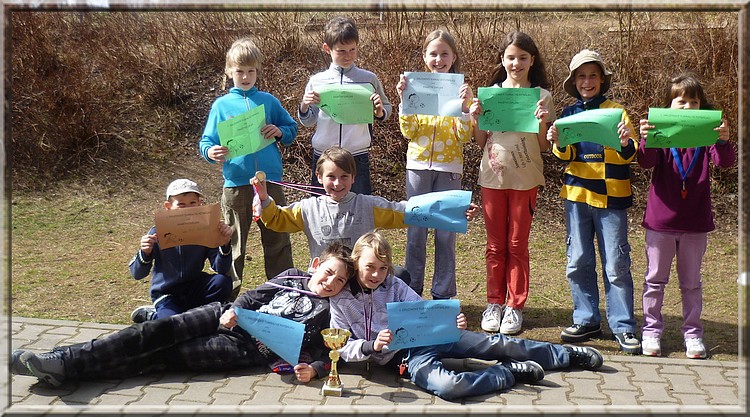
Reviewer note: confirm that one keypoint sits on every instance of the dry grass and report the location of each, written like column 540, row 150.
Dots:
column 107, row 108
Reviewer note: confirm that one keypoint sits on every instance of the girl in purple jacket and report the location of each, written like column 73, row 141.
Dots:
column 678, row 218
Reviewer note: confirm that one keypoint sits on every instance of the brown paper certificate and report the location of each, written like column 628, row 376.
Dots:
column 188, row 226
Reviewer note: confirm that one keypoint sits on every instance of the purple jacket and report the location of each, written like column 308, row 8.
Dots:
column 666, row 210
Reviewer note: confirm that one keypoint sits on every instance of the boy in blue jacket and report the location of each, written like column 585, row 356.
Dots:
column 178, row 281
column 243, row 65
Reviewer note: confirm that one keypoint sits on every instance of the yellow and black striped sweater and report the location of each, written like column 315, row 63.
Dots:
column 596, row 174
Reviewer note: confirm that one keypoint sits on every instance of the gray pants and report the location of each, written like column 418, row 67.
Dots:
column 444, row 277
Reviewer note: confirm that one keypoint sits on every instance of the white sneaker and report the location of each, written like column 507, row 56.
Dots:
column 694, row 348
column 491, row 318
column 512, row 321
column 651, row 346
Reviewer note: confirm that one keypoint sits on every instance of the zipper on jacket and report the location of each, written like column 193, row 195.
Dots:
column 432, row 145
column 247, row 102
column 341, row 127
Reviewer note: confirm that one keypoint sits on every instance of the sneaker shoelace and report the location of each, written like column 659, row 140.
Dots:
column 54, row 355
column 511, row 316
column 491, row 310
column 578, row 355
column 630, row 338
column 694, row 344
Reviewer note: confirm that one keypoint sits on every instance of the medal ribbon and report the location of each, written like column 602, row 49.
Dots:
column 683, row 172
column 299, row 290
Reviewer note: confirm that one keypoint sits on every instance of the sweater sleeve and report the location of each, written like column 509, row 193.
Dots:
column 388, row 214
column 221, row 260
column 464, row 128
column 648, row 157
column 282, row 219
column 628, row 153
column 310, row 118
column 565, row 153
column 387, row 107
column 140, row 266
column 210, row 135
column 354, row 349
column 284, row 121
column 723, row 154
column 409, row 125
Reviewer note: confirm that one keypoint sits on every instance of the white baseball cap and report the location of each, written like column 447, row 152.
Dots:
column 182, row 186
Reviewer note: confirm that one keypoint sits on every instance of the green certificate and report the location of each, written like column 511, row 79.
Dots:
column 508, row 109
column 347, row 104
column 241, row 134
column 595, row 125
column 680, row 128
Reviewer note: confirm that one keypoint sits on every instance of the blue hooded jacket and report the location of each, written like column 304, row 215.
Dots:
column 238, row 171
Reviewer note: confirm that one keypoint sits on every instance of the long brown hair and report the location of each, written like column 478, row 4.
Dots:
column 537, row 72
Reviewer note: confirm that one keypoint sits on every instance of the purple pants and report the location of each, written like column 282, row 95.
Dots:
column 661, row 248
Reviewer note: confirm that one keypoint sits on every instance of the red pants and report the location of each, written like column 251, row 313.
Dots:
column 507, row 217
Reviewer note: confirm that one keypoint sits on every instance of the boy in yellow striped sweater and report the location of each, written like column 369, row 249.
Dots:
column 596, row 186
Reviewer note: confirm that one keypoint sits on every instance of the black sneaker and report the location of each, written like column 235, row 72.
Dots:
column 628, row 342
column 580, row 332
column 48, row 367
column 526, row 371
column 18, row 362
column 584, row 357
column 142, row 313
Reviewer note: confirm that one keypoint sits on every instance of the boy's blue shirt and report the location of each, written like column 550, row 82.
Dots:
column 177, row 265
column 238, row 171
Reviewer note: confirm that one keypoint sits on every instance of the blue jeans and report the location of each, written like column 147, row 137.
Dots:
column 361, row 185
column 420, row 182
column 427, row 371
column 610, row 227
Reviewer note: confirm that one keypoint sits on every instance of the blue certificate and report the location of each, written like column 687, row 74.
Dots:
column 282, row 336
column 431, row 93
column 444, row 210
column 423, row 323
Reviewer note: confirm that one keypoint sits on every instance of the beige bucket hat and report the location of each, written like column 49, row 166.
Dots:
column 584, row 57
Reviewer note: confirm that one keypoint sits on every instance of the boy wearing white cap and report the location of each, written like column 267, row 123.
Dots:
column 596, row 186
column 178, row 282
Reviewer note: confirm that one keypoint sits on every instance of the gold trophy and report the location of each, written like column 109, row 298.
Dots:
column 334, row 339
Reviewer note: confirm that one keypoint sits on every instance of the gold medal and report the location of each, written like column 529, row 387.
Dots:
column 260, row 175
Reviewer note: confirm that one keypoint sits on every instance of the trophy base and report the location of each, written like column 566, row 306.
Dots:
column 332, row 391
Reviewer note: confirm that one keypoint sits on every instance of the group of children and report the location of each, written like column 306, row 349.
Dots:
column 595, row 186
column 338, row 290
